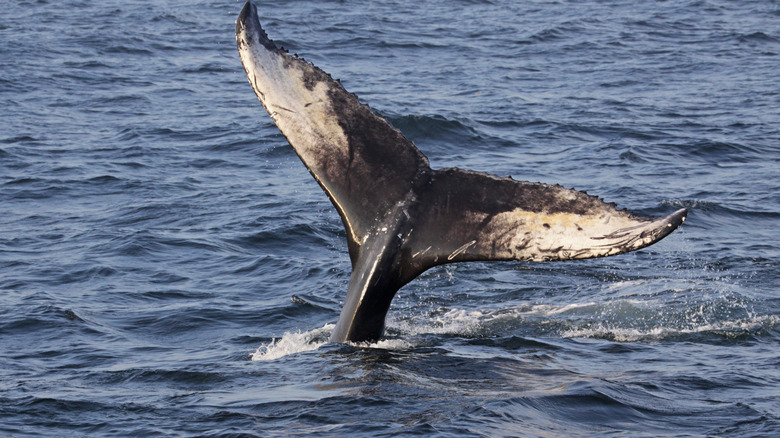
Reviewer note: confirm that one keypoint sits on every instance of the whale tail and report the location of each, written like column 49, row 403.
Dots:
column 402, row 217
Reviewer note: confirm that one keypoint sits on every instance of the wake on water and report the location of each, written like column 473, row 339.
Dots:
column 622, row 320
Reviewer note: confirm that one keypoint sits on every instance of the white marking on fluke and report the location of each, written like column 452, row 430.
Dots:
column 461, row 250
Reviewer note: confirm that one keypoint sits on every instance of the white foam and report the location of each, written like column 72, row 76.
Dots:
column 625, row 334
column 291, row 343
column 555, row 310
column 299, row 342
column 457, row 322
column 451, row 322
column 386, row 344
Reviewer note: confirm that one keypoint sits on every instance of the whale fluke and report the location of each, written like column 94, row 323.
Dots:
column 402, row 217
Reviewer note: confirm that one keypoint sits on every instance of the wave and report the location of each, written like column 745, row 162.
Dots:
column 756, row 37
column 435, row 128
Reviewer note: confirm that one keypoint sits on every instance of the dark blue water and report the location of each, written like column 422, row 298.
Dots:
column 157, row 233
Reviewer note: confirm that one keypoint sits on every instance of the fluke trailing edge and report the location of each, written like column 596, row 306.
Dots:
column 401, row 216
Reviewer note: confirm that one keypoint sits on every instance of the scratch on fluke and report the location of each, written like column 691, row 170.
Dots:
column 461, row 250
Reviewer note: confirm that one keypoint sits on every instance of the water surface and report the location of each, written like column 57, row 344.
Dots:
column 169, row 268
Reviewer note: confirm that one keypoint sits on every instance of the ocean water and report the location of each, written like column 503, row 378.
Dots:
column 169, row 268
